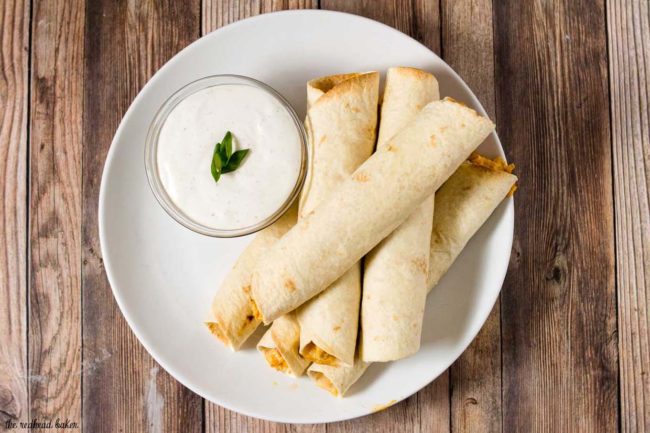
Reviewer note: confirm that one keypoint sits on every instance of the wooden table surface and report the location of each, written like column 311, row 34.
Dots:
column 567, row 347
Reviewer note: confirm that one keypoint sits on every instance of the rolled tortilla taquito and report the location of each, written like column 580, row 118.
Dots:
column 329, row 323
column 395, row 272
column 337, row 379
column 462, row 205
column 232, row 317
column 279, row 345
column 367, row 206
column 341, row 123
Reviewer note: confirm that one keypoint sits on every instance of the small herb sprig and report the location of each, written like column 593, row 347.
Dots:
column 223, row 159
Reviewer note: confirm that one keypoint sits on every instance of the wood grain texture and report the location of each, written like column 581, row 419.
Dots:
column 417, row 18
column 629, row 71
column 558, row 301
column 54, row 333
column 218, row 13
column 124, row 390
column 424, row 412
column 475, row 377
column 558, row 310
column 14, row 61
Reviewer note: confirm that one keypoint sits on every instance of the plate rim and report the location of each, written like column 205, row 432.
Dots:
column 110, row 157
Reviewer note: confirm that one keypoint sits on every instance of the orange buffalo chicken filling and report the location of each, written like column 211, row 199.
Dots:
column 275, row 360
column 496, row 164
column 313, row 353
column 253, row 306
column 215, row 330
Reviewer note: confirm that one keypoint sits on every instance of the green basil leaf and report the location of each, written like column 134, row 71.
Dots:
column 223, row 159
column 235, row 160
column 226, row 143
column 222, row 154
column 215, row 167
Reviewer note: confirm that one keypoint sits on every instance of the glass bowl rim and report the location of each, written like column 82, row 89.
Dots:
column 151, row 147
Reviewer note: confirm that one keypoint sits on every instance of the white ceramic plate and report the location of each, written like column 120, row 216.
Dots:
column 164, row 276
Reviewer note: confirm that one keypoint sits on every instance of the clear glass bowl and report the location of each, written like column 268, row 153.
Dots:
column 151, row 163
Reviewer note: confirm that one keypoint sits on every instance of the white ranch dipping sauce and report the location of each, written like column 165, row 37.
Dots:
column 264, row 180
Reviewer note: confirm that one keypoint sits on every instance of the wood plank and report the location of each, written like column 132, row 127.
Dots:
column 125, row 390
column 54, row 333
column 558, row 302
column 428, row 410
column 424, row 412
column 419, row 19
column 14, row 64
column 475, row 377
column 218, row 13
column 629, row 69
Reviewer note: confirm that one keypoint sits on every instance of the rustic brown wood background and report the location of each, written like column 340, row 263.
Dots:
column 567, row 347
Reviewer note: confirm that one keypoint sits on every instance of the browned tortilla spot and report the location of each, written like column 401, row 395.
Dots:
column 336, row 328
column 303, row 218
column 361, row 176
column 432, row 140
column 353, row 109
column 290, row 285
column 306, row 215
column 450, row 99
column 391, row 148
column 322, row 139
column 325, row 84
column 414, row 72
column 256, row 312
column 472, row 111
column 420, row 264
column 251, row 303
